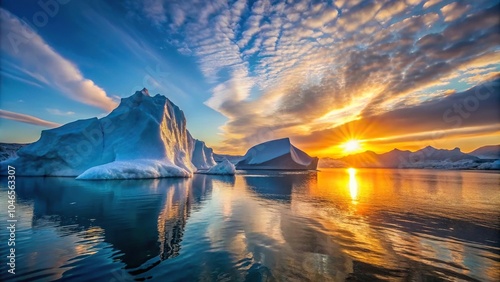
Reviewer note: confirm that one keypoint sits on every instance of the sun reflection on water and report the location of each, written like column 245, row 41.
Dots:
column 353, row 184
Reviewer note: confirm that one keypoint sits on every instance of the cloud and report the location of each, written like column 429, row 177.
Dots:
column 359, row 15
column 454, row 10
column 21, row 79
column 431, row 3
column 27, row 119
column 390, row 10
column 435, row 136
column 58, row 112
column 21, row 42
column 476, row 107
column 325, row 17
column 155, row 10
column 289, row 68
column 467, row 39
column 480, row 77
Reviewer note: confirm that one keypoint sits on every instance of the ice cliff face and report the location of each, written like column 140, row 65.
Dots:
column 9, row 150
column 203, row 157
column 144, row 137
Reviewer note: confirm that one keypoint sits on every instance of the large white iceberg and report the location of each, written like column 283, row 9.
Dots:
column 144, row 137
column 277, row 155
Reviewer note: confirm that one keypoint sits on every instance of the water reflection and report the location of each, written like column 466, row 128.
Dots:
column 335, row 225
column 138, row 219
column 274, row 185
column 353, row 184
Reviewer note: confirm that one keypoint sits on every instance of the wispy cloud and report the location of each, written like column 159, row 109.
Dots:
column 27, row 119
column 58, row 112
column 454, row 11
column 20, row 79
column 430, row 136
column 431, row 3
column 21, row 42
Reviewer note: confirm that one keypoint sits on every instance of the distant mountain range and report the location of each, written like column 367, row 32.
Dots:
column 429, row 157
column 487, row 152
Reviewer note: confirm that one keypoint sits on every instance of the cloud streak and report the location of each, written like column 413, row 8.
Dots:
column 27, row 119
column 58, row 112
column 21, row 42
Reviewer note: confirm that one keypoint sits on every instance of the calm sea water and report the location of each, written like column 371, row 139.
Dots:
column 333, row 225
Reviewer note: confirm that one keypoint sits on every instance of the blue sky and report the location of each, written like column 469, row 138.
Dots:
column 245, row 72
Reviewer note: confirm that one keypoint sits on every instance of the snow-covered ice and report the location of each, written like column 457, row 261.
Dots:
column 202, row 156
column 277, row 154
column 223, row 168
column 9, row 150
column 143, row 168
column 490, row 165
column 143, row 137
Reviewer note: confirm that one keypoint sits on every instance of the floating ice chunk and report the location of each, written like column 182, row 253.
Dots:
column 134, row 169
column 223, row 168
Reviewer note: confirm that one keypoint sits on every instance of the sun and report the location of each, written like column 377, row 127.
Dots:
column 351, row 146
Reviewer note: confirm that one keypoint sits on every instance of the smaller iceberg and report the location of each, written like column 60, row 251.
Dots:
column 495, row 165
column 202, row 156
column 277, row 155
column 223, row 168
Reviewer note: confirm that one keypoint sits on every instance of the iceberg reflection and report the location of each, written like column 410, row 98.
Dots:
column 332, row 225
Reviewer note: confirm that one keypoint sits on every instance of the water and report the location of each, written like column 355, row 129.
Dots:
column 333, row 225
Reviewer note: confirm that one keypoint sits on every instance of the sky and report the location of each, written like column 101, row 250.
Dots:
column 387, row 74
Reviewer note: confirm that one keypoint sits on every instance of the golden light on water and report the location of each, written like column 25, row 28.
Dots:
column 353, row 184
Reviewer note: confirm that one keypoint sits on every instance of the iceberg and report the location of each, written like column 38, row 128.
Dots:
column 277, row 155
column 495, row 165
column 9, row 150
column 202, row 156
column 144, row 137
column 231, row 158
column 223, row 168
